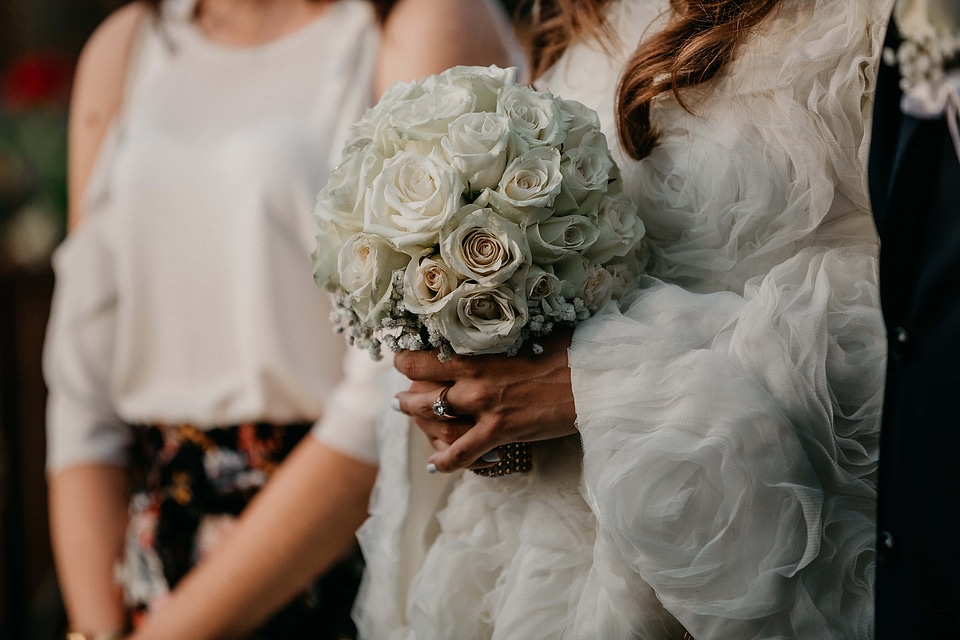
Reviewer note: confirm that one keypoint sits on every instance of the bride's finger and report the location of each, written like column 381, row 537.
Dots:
column 430, row 403
column 445, row 431
column 465, row 452
column 423, row 365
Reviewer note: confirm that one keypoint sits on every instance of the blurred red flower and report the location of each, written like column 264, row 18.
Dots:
column 36, row 80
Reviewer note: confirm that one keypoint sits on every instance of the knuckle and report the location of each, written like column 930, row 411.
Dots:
column 405, row 363
column 460, row 458
column 447, row 433
column 476, row 395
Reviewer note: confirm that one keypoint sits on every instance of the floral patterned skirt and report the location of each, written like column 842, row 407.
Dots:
column 189, row 485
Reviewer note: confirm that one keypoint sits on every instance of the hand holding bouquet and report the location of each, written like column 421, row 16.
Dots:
column 471, row 214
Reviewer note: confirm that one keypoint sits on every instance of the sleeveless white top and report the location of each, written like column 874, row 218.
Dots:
column 186, row 295
column 729, row 412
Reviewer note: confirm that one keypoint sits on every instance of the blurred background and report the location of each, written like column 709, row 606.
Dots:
column 39, row 44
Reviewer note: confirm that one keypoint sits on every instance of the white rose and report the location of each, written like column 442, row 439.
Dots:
column 920, row 20
column 542, row 287
column 427, row 283
column 366, row 264
column 535, row 116
column 571, row 271
column 625, row 278
column 411, row 200
column 483, row 82
column 581, row 120
column 635, row 261
column 586, row 172
column 532, row 180
column 483, row 246
column 620, row 229
column 341, row 199
column 598, row 287
column 479, row 319
column 523, row 216
column 554, row 238
column 330, row 238
column 476, row 145
column 420, row 124
column 374, row 117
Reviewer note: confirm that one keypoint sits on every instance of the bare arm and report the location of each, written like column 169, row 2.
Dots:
column 88, row 503
column 96, row 97
column 88, row 515
column 299, row 525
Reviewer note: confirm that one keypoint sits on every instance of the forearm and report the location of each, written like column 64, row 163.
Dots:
column 299, row 525
column 88, row 516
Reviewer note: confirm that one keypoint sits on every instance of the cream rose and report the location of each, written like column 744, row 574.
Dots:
column 366, row 263
column 326, row 270
column 586, row 172
column 598, row 287
column 478, row 319
column 620, row 229
column 420, row 124
column 581, row 119
column 523, row 216
column 341, row 199
column 535, row 116
column 542, row 287
column 552, row 239
column 484, row 247
column 411, row 200
column 532, row 180
column 427, row 283
column 483, row 82
column 571, row 270
column 476, row 145
column 374, row 119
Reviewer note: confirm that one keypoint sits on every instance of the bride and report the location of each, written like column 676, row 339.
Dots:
column 705, row 456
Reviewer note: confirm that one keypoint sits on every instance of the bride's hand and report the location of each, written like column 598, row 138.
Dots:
column 519, row 398
column 441, row 433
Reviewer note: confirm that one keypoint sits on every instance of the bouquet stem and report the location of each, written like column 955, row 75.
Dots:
column 516, row 458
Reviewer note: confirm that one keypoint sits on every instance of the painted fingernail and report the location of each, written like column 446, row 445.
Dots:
column 491, row 456
column 395, row 403
column 432, row 468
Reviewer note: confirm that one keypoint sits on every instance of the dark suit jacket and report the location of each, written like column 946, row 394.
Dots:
column 915, row 189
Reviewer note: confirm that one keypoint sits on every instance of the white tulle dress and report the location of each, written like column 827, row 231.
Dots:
column 724, row 480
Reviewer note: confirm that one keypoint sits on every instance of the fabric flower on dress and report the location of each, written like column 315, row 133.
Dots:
column 929, row 60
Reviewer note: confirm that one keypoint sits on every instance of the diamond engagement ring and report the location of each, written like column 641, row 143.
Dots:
column 441, row 408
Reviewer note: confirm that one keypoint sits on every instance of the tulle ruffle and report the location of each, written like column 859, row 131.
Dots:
column 718, row 476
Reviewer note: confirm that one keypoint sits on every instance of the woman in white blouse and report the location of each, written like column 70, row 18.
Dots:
column 186, row 328
column 704, row 458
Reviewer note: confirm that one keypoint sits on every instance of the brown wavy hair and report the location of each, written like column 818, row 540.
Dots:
column 382, row 7
column 700, row 38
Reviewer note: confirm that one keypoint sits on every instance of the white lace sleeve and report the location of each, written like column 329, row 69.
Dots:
column 730, row 412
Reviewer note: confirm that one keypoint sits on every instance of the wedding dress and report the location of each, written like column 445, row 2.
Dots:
column 724, row 478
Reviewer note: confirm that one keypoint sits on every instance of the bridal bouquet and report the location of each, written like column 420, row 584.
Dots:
column 471, row 214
